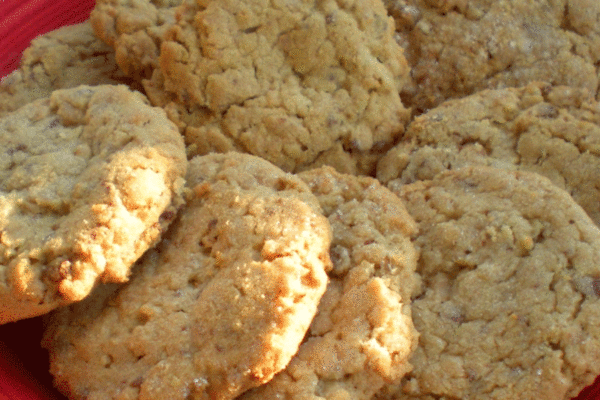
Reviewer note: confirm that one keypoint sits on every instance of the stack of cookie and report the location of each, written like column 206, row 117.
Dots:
column 308, row 200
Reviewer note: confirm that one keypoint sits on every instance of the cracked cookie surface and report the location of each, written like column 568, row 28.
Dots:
column 300, row 84
column 509, row 305
column 218, row 307
column 61, row 59
column 88, row 178
column 134, row 28
column 362, row 335
column 553, row 131
column 458, row 47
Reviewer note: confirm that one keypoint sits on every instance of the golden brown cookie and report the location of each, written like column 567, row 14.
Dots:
column 134, row 28
column 458, row 47
column 510, row 299
column 89, row 178
column 61, row 59
column 553, row 131
column 219, row 307
column 363, row 334
column 300, row 84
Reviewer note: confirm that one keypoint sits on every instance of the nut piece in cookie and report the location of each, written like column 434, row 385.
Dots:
column 61, row 59
column 219, row 307
column 300, row 84
column 553, row 131
column 88, row 181
column 362, row 335
column 509, row 306
column 458, row 47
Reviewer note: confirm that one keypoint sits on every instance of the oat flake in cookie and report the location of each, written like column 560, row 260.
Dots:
column 219, row 306
column 88, row 180
column 509, row 306
column 362, row 335
column 60, row 59
column 299, row 83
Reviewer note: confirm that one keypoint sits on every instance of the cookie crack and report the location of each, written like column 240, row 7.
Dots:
column 578, row 304
column 565, row 23
column 103, row 54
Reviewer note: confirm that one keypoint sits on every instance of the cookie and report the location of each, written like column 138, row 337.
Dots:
column 553, row 131
column 456, row 48
column 509, row 306
column 134, row 28
column 88, row 180
column 218, row 307
column 61, row 59
column 300, row 84
column 363, row 334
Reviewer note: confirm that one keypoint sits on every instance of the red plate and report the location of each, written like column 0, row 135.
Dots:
column 23, row 364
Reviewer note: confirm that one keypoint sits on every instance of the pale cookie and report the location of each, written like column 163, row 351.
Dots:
column 510, row 302
column 88, row 180
column 553, row 131
column 61, row 59
column 300, row 84
column 219, row 307
column 134, row 28
column 363, row 334
column 458, row 47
